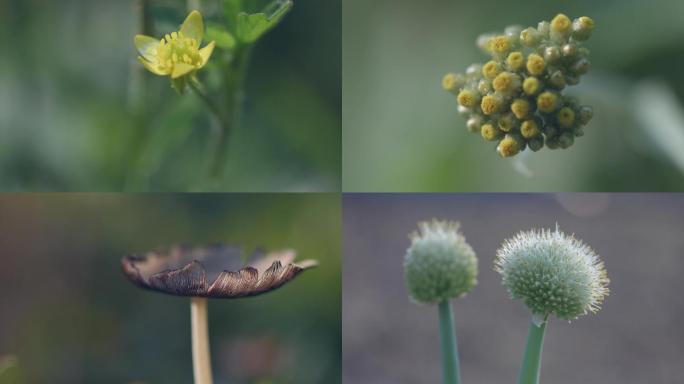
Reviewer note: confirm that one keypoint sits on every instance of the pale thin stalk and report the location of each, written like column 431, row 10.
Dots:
column 531, row 365
column 450, row 367
column 201, row 359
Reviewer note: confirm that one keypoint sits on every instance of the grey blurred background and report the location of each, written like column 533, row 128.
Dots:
column 402, row 132
column 70, row 316
column 636, row 337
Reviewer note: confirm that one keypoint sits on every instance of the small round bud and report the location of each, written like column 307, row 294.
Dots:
column 547, row 102
column 483, row 40
column 550, row 131
column 515, row 61
column 484, row 86
column 561, row 26
column 531, row 86
column 468, row 98
column 566, row 117
column 506, row 82
column 552, row 273
column 439, row 265
column 535, row 64
column 581, row 66
column 557, row 79
column 582, row 28
column 507, row 122
column 543, row 28
column 491, row 104
column 529, row 37
column 489, row 132
column 536, row 144
column 566, row 139
column 552, row 54
column 509, row 146
column 552, row 142
column 578, row 132
column 464, row 111
column 529, row 129
column 572, row 79
column 452, row 82
column 569, row 50
column 520, row 108
column 513, row 31
column 585, row 114
column 491, row 69
column 474, row 123
column 500, row 45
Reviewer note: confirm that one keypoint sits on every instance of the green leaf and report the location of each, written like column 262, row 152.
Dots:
column 251, row 27
column 223, row 38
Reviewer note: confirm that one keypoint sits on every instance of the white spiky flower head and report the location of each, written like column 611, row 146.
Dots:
column 439, row 265
column 552, row 273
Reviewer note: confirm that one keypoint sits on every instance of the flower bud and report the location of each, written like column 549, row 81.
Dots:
column 515, row 61
column 561, row 27
column 569, row 50
column 582, row 28
column 557, row 79
column 439, row 265
column 491, row 69
column 585, row 114
column 536, row 144
column 509, row 146
column 552, row 273
column 507, row 122
column 550, row 131
column 552, row 54
column 529, row 129
column 468, row 98
column 473, row 70
column 566, row 117
column 474, row 123
column 490, row 133
column 500, row 45
column 535, row 64
column 491, row 104
column 484, row 86
column 520, row 108
column 529, row 37
column 464, row 111
column 452, row 82
column 566, row 139
column 543, row 28
column 547, row 102
column 506, row 82
column 581, row 66
column 531, row 86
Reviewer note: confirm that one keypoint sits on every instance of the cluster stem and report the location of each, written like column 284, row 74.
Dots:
column 450, row 366
column 531, row 365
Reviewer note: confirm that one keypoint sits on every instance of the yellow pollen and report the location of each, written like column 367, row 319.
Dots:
column 547, row 102
column 531, row 86
column 566, row 117
column 535, row 64
column 508, row 147
column 529, row 129
column 490, row 104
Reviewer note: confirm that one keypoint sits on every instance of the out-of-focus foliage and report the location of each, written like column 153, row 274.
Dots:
column 77, row 112
column 401, row 133
column 70, row 316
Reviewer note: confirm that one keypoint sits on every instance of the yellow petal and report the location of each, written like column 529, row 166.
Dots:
column 152, row 67
column 147, row 47
column 180, row 69
column 206, row 52
column 193, row 26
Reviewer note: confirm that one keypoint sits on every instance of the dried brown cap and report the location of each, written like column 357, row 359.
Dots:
column 216, row 271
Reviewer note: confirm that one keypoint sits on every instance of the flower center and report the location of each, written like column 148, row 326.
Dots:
column 175, row 48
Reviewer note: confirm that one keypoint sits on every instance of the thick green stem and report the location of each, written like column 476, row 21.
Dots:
column 529, row 372
column 450, row 368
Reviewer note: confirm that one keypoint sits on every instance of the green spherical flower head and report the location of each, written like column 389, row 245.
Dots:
column 439, row 265
column 552, row 273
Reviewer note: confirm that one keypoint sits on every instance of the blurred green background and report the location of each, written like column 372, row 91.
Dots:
column 402, row 132
column 69, row 119
column 70, row 316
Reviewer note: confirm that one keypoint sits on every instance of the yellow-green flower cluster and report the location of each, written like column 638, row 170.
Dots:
column 516, row 98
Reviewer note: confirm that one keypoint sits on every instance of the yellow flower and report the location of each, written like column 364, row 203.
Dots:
column 178, row 54
column 491, row 104
column 535, row 64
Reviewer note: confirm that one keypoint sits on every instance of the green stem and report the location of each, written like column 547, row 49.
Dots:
column 450, row 368
column 529, row 372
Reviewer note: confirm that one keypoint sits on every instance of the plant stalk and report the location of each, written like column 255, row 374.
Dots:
column 450, row 368
column 531, row 365
column 201, row 358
